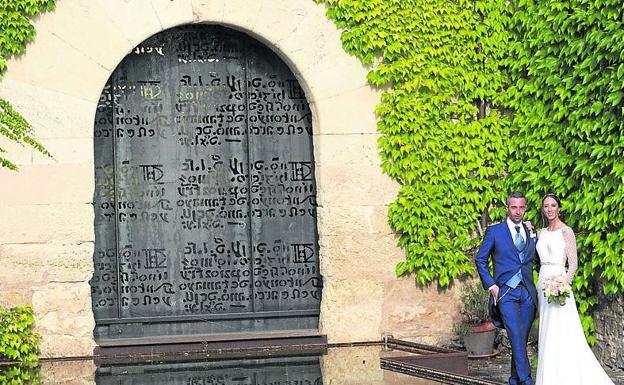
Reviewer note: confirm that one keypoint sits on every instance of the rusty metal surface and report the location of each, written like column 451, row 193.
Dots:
column 436, row 363
column 277, row 347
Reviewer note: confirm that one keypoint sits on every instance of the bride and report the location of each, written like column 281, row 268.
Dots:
column 564, row 356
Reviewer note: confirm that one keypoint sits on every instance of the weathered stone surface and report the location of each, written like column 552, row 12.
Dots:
column 609, row 321
column 354, row 185
column 52, row 114
column 350, row 302
column 359, row 220
column 19, row 154
column 68, row 373
column 64, row 318
column 49, row 184
column 360, row 255
column 359, row 366
column 71, row 223
column 54, row 64
column 424, row 314
column 44, row 263
column 173, row 13
column 352, row 149
column 206, row 11
column 136, row 19
column 80, row 23
column 351, row 112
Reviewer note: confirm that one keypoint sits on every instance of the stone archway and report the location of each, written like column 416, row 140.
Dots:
column 205, row 195
column 47, row 243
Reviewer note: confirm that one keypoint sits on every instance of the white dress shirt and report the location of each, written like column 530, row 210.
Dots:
column 512, row 229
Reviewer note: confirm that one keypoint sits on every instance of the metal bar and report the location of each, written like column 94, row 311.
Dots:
column 252, row 259
column 433, row 374
column 116, row 208
column 212, row 317
column 418, row 346
column 229, row 338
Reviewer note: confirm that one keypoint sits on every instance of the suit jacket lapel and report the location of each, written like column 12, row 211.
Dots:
column 528, row 238
column 510, row 240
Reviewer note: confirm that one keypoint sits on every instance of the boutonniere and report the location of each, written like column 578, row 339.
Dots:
column 532, row 233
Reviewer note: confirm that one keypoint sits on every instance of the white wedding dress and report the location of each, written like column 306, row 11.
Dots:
column 564, row 358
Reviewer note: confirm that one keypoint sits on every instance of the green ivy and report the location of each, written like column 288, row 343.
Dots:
column 449, row 70
column 18, row 340
column 566, row 69
column 438, row 61
column 20, row 375
column 16, row 30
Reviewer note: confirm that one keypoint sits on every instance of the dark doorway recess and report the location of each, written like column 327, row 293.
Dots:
column 205, row 194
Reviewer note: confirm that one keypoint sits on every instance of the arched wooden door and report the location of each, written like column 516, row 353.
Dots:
column 205, row 196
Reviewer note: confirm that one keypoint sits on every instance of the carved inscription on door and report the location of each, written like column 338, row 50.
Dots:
column 205, row 198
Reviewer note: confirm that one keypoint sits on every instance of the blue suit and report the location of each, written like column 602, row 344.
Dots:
column 517, row 305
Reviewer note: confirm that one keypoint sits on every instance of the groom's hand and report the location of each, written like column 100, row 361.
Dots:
column 494, row 289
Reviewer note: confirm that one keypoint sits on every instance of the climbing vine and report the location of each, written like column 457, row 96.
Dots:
column 18, row 340
column 16, row 30
column 440, row 140
column 566, row 69
column 450, row 69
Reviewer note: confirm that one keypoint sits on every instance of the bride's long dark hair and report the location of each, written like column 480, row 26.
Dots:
column 556, row 198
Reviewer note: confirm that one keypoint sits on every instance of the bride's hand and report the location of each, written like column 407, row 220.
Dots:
column 529, row 225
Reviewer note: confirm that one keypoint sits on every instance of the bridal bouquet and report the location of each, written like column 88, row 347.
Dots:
column 556, row 289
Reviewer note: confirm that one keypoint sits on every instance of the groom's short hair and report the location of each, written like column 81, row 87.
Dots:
column 515, row 194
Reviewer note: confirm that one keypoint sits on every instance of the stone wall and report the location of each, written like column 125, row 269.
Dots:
column 609, row 320
column 46, row 213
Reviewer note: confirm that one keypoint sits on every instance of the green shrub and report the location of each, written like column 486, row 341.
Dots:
column 20, row 375
column 18, row 340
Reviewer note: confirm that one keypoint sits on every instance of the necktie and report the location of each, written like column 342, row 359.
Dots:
column 518, row 241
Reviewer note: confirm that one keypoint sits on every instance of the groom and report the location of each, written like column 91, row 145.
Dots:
column 513, row 297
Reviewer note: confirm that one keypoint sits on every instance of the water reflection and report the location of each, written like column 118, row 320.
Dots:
column 282, row 371
column 339, row 366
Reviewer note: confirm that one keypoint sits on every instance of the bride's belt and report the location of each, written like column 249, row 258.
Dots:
column 552, row 263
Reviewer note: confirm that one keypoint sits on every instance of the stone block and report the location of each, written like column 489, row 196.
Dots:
column 347, row 149
column 359, row 366
column 173, row 13
column 52, row 114
column 354, row 185
column 327, row 80
column 52, row 63
column 348, row 112
column 35, row 264
column 86, row 27
column 48, row 184
column 136, row 19
column 244, row 13
column 609, row 322
column 64, row 319
column 422, row 314
column 68, row 373
column 68, row 152
column 210, row 11
column 19, row 154
column 362, row 255
column 70, row 223
column 339, row 220
column 350, row 302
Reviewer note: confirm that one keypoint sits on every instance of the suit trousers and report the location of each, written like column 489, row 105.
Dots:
column 518, row 312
